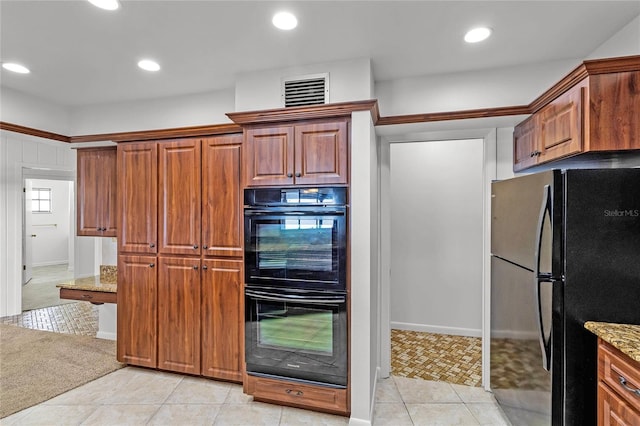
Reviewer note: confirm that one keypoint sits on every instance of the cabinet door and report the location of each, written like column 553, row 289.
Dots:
column 222, row 223
column 321, row 153
column 561, row 125
column 525, row 152
column 222, row 319
column 137, row 310
column 89, row 191
column 96, row 175
column 138, row 192
column 269, row 156
column 109, row 192
column 613, row 410
column 179, row 314
column 179, row 196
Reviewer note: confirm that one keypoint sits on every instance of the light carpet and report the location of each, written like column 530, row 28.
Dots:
column 37, row 365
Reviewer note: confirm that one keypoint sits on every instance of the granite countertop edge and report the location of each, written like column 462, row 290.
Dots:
column 94, row 283
column 624, row 337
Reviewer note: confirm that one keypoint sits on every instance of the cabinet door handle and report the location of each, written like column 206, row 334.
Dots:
column 195, row 246
column 151, row 265
column 298, row 174
column 205, row 247
column 152, row 245
column 288, row 391
column 204, row 267
column 195, row 267
column 624, row 384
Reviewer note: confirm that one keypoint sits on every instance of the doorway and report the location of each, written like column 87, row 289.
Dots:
column 48, row 238
column 436, row 250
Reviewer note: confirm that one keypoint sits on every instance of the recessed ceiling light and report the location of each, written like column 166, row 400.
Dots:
column 477, row 34
column 284, row 21
column 20, row 69
column 149, row 65
column 106, row 4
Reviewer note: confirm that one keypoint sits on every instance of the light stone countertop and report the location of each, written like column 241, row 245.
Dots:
column 89, row 284
column 624, row 337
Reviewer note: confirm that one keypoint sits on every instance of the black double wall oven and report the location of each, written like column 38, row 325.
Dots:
column 295, row 284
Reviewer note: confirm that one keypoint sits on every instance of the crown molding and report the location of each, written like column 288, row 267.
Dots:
column 312, row 112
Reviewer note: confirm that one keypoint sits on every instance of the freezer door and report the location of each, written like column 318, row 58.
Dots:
column 518, row 379
column 515, row 211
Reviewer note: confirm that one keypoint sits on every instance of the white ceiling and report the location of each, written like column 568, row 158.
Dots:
column 81, row 55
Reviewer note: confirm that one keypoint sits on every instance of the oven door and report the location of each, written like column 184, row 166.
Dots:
column 296, row 247
column 296, row 335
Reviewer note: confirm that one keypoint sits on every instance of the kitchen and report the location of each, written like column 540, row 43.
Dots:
column 351, row 80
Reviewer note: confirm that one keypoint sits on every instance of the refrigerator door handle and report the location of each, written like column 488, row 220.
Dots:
column 539, row 278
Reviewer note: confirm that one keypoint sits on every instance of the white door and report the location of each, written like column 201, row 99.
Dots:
column 27, row 235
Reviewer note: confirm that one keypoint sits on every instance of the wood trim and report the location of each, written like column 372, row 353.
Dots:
column 305, row 112
column 178, row 132
column 611, row 65
column 454, row 115
column 33, row 132
column 587, row 68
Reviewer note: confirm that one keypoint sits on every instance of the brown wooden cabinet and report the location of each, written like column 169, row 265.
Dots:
column 97, row 189
column 298, row 394
column 185, row 194
column 137, row 310
column 222, row 224
column 138, row 195
column 313, row 153
column 560, row 125
column 618, row 384
column 179, row 314
column 222, row 319
column 179, row 195
column 599, row 114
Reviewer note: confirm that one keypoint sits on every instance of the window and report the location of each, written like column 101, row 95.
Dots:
column 41, row 200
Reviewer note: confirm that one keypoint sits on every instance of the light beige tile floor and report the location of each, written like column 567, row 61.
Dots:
column 135, row 396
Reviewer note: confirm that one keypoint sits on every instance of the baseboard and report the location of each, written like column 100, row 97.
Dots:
column 50, row 263
column 455, row 331
column 106, row 335
column 515, row 334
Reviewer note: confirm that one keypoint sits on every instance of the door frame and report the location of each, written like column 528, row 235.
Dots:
column 46, row 174
column 489, row 170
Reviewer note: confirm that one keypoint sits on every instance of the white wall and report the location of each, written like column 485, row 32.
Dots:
column 179, row 111
column 365, row 288
column 20, row 153
column 51, row 244
column 470, row 90
column 436, row 236
column 26, row 110
column 624, row 43
column 348, row 81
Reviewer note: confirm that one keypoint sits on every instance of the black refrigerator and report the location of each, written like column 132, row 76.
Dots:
column 565, row 249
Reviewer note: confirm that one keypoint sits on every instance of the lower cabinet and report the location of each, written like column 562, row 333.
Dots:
column 222, row 319
column 137, row 310
column 296, row 394
column 179, row 314
column 618, row 387
column 182, row 314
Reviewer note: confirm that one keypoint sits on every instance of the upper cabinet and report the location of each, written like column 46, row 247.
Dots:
column 311, row 153
column 96, row 198
column 598, row 114
column 138, row 188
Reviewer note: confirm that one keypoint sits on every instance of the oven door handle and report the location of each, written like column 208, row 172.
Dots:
column 252, row 212
column 292, row 298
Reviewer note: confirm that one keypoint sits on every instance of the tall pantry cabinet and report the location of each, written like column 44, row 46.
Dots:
column 180, row 255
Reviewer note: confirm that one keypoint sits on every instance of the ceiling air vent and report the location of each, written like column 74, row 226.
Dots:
column 305, row 90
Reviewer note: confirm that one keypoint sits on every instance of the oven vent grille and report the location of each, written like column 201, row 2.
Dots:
column 307, row 90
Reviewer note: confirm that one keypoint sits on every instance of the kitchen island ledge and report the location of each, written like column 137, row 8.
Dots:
column 624, row 337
